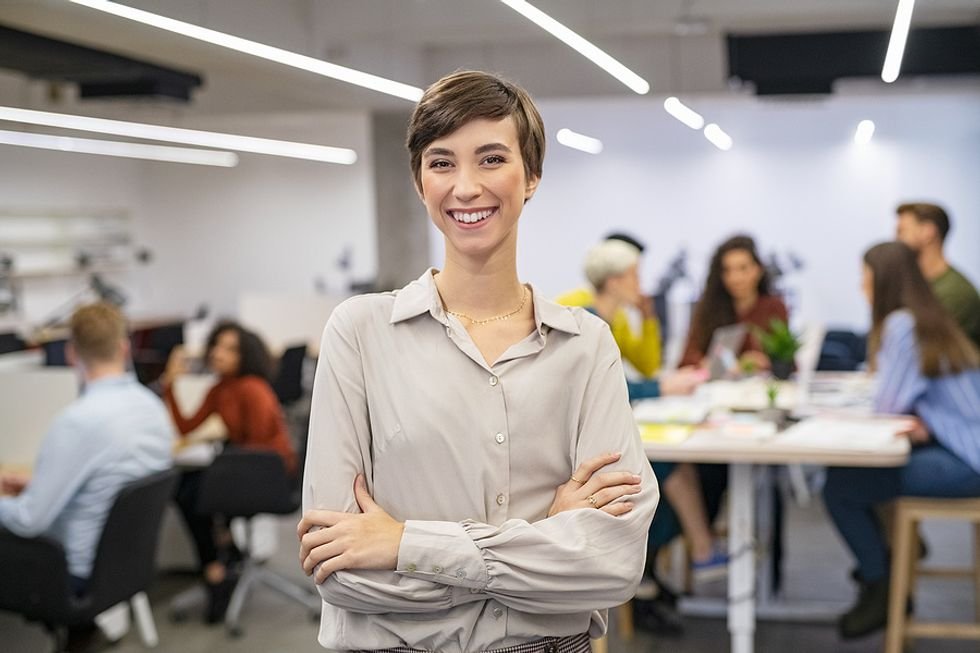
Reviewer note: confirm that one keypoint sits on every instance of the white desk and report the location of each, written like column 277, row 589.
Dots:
column 29, row 400
column 742, row 455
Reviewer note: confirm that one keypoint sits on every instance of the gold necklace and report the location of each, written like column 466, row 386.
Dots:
column 496, row 317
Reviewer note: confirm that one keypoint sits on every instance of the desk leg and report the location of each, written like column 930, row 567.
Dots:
column 741, row 568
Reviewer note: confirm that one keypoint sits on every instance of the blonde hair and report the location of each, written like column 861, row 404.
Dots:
column 608, row 259
column 97, row 330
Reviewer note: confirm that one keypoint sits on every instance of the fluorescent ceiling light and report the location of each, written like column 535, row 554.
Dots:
column 268, row 52
column 718, row 138
column 576, row 42
column 117, row 148
column 896, row 44
column 577, row 141
column 684, row 113
column 178, row 135
column 865, row 130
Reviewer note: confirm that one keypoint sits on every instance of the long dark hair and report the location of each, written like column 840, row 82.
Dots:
column 898, row 284
column 254, row 358
column 716, row 308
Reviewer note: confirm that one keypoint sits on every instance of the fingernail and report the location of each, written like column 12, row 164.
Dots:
column 636, row 478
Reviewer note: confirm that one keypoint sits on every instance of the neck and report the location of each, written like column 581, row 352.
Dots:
column 606, row 306
column 745, row 304
column 932, row 262
column 97, row 371
column 480, row 288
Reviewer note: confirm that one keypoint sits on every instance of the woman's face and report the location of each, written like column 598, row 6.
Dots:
column 740, row 274
column 224, row 358
column 868, row 283
column 474, row 187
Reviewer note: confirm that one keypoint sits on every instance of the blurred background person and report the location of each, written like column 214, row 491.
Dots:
column 924, row 228
column 737, row 292
column 250, row 411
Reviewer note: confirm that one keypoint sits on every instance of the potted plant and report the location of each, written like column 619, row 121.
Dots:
column 780, row 345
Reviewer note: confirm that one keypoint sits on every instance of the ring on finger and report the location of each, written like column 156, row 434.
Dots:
column 591, row 499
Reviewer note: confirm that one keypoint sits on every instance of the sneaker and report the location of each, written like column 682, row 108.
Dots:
column 713, row 568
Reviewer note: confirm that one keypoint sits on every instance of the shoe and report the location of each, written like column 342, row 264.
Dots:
column 656, row 617
column 219, row 596
column 869, row 614
column 713, row 568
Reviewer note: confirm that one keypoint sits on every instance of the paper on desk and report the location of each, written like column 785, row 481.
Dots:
column 854, row 434
column 211, row 429
column 670, row 410
column 665, row 433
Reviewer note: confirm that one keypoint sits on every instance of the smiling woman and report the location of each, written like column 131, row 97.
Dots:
column 474, row 479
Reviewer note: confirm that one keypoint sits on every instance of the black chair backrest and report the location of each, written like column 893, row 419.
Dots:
column 245, row 483
column 288, row 384
column 124, row 560
column 34, row 578
column 10, row 342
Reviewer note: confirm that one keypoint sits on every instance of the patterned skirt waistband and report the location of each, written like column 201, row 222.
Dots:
column 569, row 644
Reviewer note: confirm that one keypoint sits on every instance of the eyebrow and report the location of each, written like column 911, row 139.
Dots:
column 483, row 149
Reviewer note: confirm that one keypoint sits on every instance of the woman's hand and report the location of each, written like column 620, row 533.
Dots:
column 587, row 489
column 176, row 366
column 682, row 381
column 916, row 431
column 343, row 540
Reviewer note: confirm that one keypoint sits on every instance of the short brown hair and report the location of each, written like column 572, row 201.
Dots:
column 96, row 332
column 925, row 212
column 467, row 95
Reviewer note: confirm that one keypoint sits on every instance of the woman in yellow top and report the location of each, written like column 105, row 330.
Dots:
column 641, row 350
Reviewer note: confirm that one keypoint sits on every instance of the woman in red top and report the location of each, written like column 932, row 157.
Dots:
column 737, row 292
column 250, row 410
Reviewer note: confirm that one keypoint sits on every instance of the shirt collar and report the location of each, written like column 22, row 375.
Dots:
column 421, row 296
column 110, row 381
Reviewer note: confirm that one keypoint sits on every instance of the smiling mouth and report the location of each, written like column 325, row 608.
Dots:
column 471, row 217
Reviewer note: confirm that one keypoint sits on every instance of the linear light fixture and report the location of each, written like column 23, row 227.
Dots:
column 268, row 52
column 718, row 138
column 118, row 148
column 896, row 44
column 865, row 130
column 580, row 44
column 684, row 113
column 179, row 135
column 577, row 141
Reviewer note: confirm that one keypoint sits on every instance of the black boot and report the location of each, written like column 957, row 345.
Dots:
column 869, row 614
column 656, row 616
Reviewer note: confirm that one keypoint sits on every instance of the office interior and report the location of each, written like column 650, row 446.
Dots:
column 277, row 241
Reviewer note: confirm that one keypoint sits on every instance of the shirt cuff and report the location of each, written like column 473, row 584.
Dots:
column 441, row 552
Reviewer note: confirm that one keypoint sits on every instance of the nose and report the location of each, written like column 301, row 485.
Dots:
column 467, row 187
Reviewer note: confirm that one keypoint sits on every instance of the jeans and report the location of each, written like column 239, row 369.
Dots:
column 851, row 494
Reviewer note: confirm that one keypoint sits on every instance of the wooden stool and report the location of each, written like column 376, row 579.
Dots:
column 908, row 513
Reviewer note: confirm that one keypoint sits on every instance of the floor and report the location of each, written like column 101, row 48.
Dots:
column 816, row 568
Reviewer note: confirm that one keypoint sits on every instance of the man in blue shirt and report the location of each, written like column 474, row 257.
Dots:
column 115, row 433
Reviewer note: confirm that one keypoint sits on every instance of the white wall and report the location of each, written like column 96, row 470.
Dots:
column 270, row 225
column 794, row 179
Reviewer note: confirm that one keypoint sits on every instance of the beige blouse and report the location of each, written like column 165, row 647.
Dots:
column 469, row 457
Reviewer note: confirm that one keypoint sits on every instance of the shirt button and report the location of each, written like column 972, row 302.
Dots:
column 498, row 613
column 474, row 590
column 500, row 438
column 501, row 499
column 437, row 569
column 493, row 381
column 410, row 567
column 551, row 647
column 460, row 573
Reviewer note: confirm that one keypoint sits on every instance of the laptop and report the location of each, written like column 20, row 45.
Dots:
column 722, row 354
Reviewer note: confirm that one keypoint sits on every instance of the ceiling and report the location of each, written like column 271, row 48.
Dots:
column 677, row 45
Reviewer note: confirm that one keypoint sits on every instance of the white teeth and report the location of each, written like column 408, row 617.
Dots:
column 470, row 218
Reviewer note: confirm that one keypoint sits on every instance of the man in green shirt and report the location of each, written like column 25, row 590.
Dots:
column 923, row 227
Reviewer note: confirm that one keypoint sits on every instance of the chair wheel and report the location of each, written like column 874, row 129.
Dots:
column 178, row 616
column 236, row 632
column 314, row 616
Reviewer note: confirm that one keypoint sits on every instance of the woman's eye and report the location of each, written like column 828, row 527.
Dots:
column 439, row 163
column 494, row 159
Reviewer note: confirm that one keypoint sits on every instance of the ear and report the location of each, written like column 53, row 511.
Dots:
column 71, row 356
column 532, row 186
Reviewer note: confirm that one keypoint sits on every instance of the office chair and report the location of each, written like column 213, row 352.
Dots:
column 34, row 580
column 288, row 384
column 245, row 483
